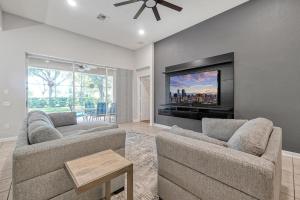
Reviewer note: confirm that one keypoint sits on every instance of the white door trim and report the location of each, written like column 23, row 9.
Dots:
column 139, row 83
column 138, row 73
column 140, row 96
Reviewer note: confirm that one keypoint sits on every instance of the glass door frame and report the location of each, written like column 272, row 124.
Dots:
column 73, row 63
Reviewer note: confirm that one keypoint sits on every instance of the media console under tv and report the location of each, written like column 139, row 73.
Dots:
column 196, row 112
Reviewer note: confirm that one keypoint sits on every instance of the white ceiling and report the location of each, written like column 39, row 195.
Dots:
column 120, row 28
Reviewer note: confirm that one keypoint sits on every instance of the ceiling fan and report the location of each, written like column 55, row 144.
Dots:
column 150, row 4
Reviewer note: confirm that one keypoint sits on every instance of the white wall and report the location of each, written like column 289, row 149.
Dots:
column 0, row 19
column 20, row 36
column 144, row 59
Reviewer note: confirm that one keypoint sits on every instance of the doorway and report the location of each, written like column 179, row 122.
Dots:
column 144, row 99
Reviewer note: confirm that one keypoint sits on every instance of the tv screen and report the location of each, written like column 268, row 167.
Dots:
column 195, row 88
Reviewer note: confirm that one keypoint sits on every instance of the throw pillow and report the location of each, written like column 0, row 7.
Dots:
column 43, row 133
column 252, row 137
column 63, row 119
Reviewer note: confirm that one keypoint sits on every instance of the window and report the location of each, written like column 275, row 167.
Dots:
column 59, row 86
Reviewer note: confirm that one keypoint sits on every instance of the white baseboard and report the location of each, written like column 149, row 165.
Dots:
column 291, row 154
column 8, row 139
column 135, row 120
column 162, row 126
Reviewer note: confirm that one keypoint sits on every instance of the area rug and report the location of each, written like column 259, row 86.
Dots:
column 141, row 150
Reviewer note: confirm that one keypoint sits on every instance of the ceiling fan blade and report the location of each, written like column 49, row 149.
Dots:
column 126, row 2
column 169, row 5
column 155, row 11
column 140, row 11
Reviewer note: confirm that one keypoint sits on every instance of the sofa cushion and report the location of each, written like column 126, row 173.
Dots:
column 87, row 125
column 40, row 131
column 80, row 132
column 72, row 133
column 39, row 116
column 252, row 137
column 35, row 124
column 98, row 129
column 221, row 129
column 63, row 119
column 195, row 135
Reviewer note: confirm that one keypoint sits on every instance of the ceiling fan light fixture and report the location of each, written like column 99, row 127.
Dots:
column 72, row 3
column 150, row 3
column 141, row 32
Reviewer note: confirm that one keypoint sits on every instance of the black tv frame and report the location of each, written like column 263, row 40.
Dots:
column 204, row 62
column 205, row 110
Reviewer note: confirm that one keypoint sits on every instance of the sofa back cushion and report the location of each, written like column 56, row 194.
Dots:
column 40, row 131
column 195, row 135
column 221, row 129
column 252, row 137
column 40, row 128
column 63, row 119
column 39, row 116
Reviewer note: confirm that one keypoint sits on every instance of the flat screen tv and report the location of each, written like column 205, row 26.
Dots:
column 195, row 88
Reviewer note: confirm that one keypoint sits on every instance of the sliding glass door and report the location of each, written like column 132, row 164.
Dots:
column 50, row 86
column 60, row 86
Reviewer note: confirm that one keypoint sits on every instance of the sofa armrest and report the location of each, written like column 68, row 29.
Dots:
column 35, row 160
column 245, row 172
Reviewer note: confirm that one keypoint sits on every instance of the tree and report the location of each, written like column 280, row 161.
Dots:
column 52, row 78
column 99, row 81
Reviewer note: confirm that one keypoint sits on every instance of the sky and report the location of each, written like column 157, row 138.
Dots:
column 200, row 82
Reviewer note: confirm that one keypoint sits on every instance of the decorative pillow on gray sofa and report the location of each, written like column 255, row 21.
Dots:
column 40, row 131
column 252, row 137
column 221, row 129
column 195, row 135
column 63, row 119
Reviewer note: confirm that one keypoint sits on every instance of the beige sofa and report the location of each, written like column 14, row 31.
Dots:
column 38, row 169
column 193, row 169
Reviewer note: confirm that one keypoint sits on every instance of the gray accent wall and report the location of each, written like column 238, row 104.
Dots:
column 265, row 37
column 124, row 95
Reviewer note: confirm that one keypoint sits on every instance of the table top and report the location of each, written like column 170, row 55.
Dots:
column 96, row 169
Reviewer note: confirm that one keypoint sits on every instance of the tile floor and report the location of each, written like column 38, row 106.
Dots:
column 290, row 189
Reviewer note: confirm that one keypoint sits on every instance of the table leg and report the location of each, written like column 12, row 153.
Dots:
column 107, row 190
column 130, row 183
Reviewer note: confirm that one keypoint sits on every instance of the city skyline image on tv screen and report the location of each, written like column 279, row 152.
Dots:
column 195, row 88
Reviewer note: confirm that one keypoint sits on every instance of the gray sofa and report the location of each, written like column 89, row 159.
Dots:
column 38, row 169
column 193, row 168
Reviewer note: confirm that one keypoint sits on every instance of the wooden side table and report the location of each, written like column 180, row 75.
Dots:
column 90, row 171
